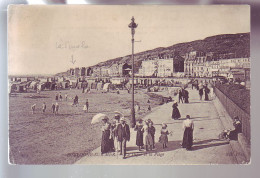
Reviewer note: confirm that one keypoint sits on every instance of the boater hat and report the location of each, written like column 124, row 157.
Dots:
column 117, row 116
column 122, row 119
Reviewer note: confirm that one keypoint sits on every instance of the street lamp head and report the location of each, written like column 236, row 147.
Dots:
column 133, row 25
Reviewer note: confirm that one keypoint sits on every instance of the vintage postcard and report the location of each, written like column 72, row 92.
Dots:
column 137, row 85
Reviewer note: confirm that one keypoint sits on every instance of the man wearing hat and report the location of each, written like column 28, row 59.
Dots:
column 123, row 135
column 114, row 131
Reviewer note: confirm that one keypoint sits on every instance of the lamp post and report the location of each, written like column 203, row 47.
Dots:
column 133, row 25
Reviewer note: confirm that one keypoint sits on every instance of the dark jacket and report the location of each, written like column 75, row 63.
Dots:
column 123, row 132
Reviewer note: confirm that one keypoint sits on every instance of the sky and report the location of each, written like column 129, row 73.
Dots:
column 44, row 39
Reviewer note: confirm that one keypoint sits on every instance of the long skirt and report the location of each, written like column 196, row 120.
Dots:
column 187, row 141
column 206, row 97
column 148, row 140
column 105, row 142
column 186, row 99
column 175, row 113
column 163, row 139
column 139, row 138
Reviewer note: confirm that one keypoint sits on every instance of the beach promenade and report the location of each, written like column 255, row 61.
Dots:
column 209, row 121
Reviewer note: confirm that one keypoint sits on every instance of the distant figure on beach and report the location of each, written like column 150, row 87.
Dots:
column 66, row 97
column 57, row 108
column 188, row 128
column 149, row 108
column 53, row 108
column 87, row 104
column 163, row 139
column 33, row 107
column 139, row 134
column 175, row 111
column 60, row 97
column 76, row 100
column 57, row 97
column 44, row 107
column 201, row 93
column 123, row 134
column 137, row 108
column 180, row 96
column 148, row 140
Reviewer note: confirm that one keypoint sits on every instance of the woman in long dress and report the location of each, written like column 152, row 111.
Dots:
column 105, row 141
column 148, row 140
column 139, row 134
column 188, row 127
column 206, row 91
column 175, row 111
column 163, row 139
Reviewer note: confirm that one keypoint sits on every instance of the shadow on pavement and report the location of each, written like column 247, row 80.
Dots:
column 208, row 145
column 172, row 145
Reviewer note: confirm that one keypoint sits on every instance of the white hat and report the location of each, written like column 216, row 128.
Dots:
column 122, row 119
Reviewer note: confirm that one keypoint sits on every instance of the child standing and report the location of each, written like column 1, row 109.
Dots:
column 33, row 108
column 164, row 135
column 43, row 107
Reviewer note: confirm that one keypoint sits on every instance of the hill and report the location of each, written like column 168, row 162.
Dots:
column 239, row 44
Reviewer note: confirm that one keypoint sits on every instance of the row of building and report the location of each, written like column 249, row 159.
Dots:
column 193, row 64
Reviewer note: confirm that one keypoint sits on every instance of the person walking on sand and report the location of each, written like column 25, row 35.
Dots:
column 163, row 139
column 57, row 97
column 44, row 107
column 148, row 140
column 60, row 97
column 188, row 128
column 87, row 105
column 123, row 134
column 57, row 108
column 76, row 100
column 66, row 97
column 139, row 134
column 33, row 107
column 175, row 111
column 201, row 93
column 53, row 108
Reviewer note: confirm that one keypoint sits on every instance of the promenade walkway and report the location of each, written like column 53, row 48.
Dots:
column 207, row 148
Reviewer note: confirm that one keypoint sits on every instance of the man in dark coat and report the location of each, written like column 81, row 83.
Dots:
column 123, row 135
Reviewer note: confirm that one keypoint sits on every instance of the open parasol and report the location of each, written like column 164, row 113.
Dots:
column 98, row 118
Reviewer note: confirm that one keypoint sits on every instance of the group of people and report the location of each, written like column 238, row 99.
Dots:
column 183, row 95
column 115, row 135
column 204, row 90
column 55, row 106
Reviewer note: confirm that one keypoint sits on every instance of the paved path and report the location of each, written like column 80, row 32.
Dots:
column 207, row 149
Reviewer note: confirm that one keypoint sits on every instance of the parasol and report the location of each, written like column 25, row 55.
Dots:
column 98, row 117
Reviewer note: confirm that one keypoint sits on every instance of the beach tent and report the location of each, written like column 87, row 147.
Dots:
column 41, row 86
column 65, row 84
column 109, row 86
column 33, row 85
column 99, row 86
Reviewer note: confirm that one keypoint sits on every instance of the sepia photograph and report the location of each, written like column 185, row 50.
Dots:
column 129, row 85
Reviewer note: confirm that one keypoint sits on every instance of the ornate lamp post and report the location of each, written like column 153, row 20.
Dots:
column 133, row 25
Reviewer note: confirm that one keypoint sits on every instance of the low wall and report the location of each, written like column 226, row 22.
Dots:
column 234, row 110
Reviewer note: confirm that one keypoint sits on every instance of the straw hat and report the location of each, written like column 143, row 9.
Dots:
column 122, row 119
